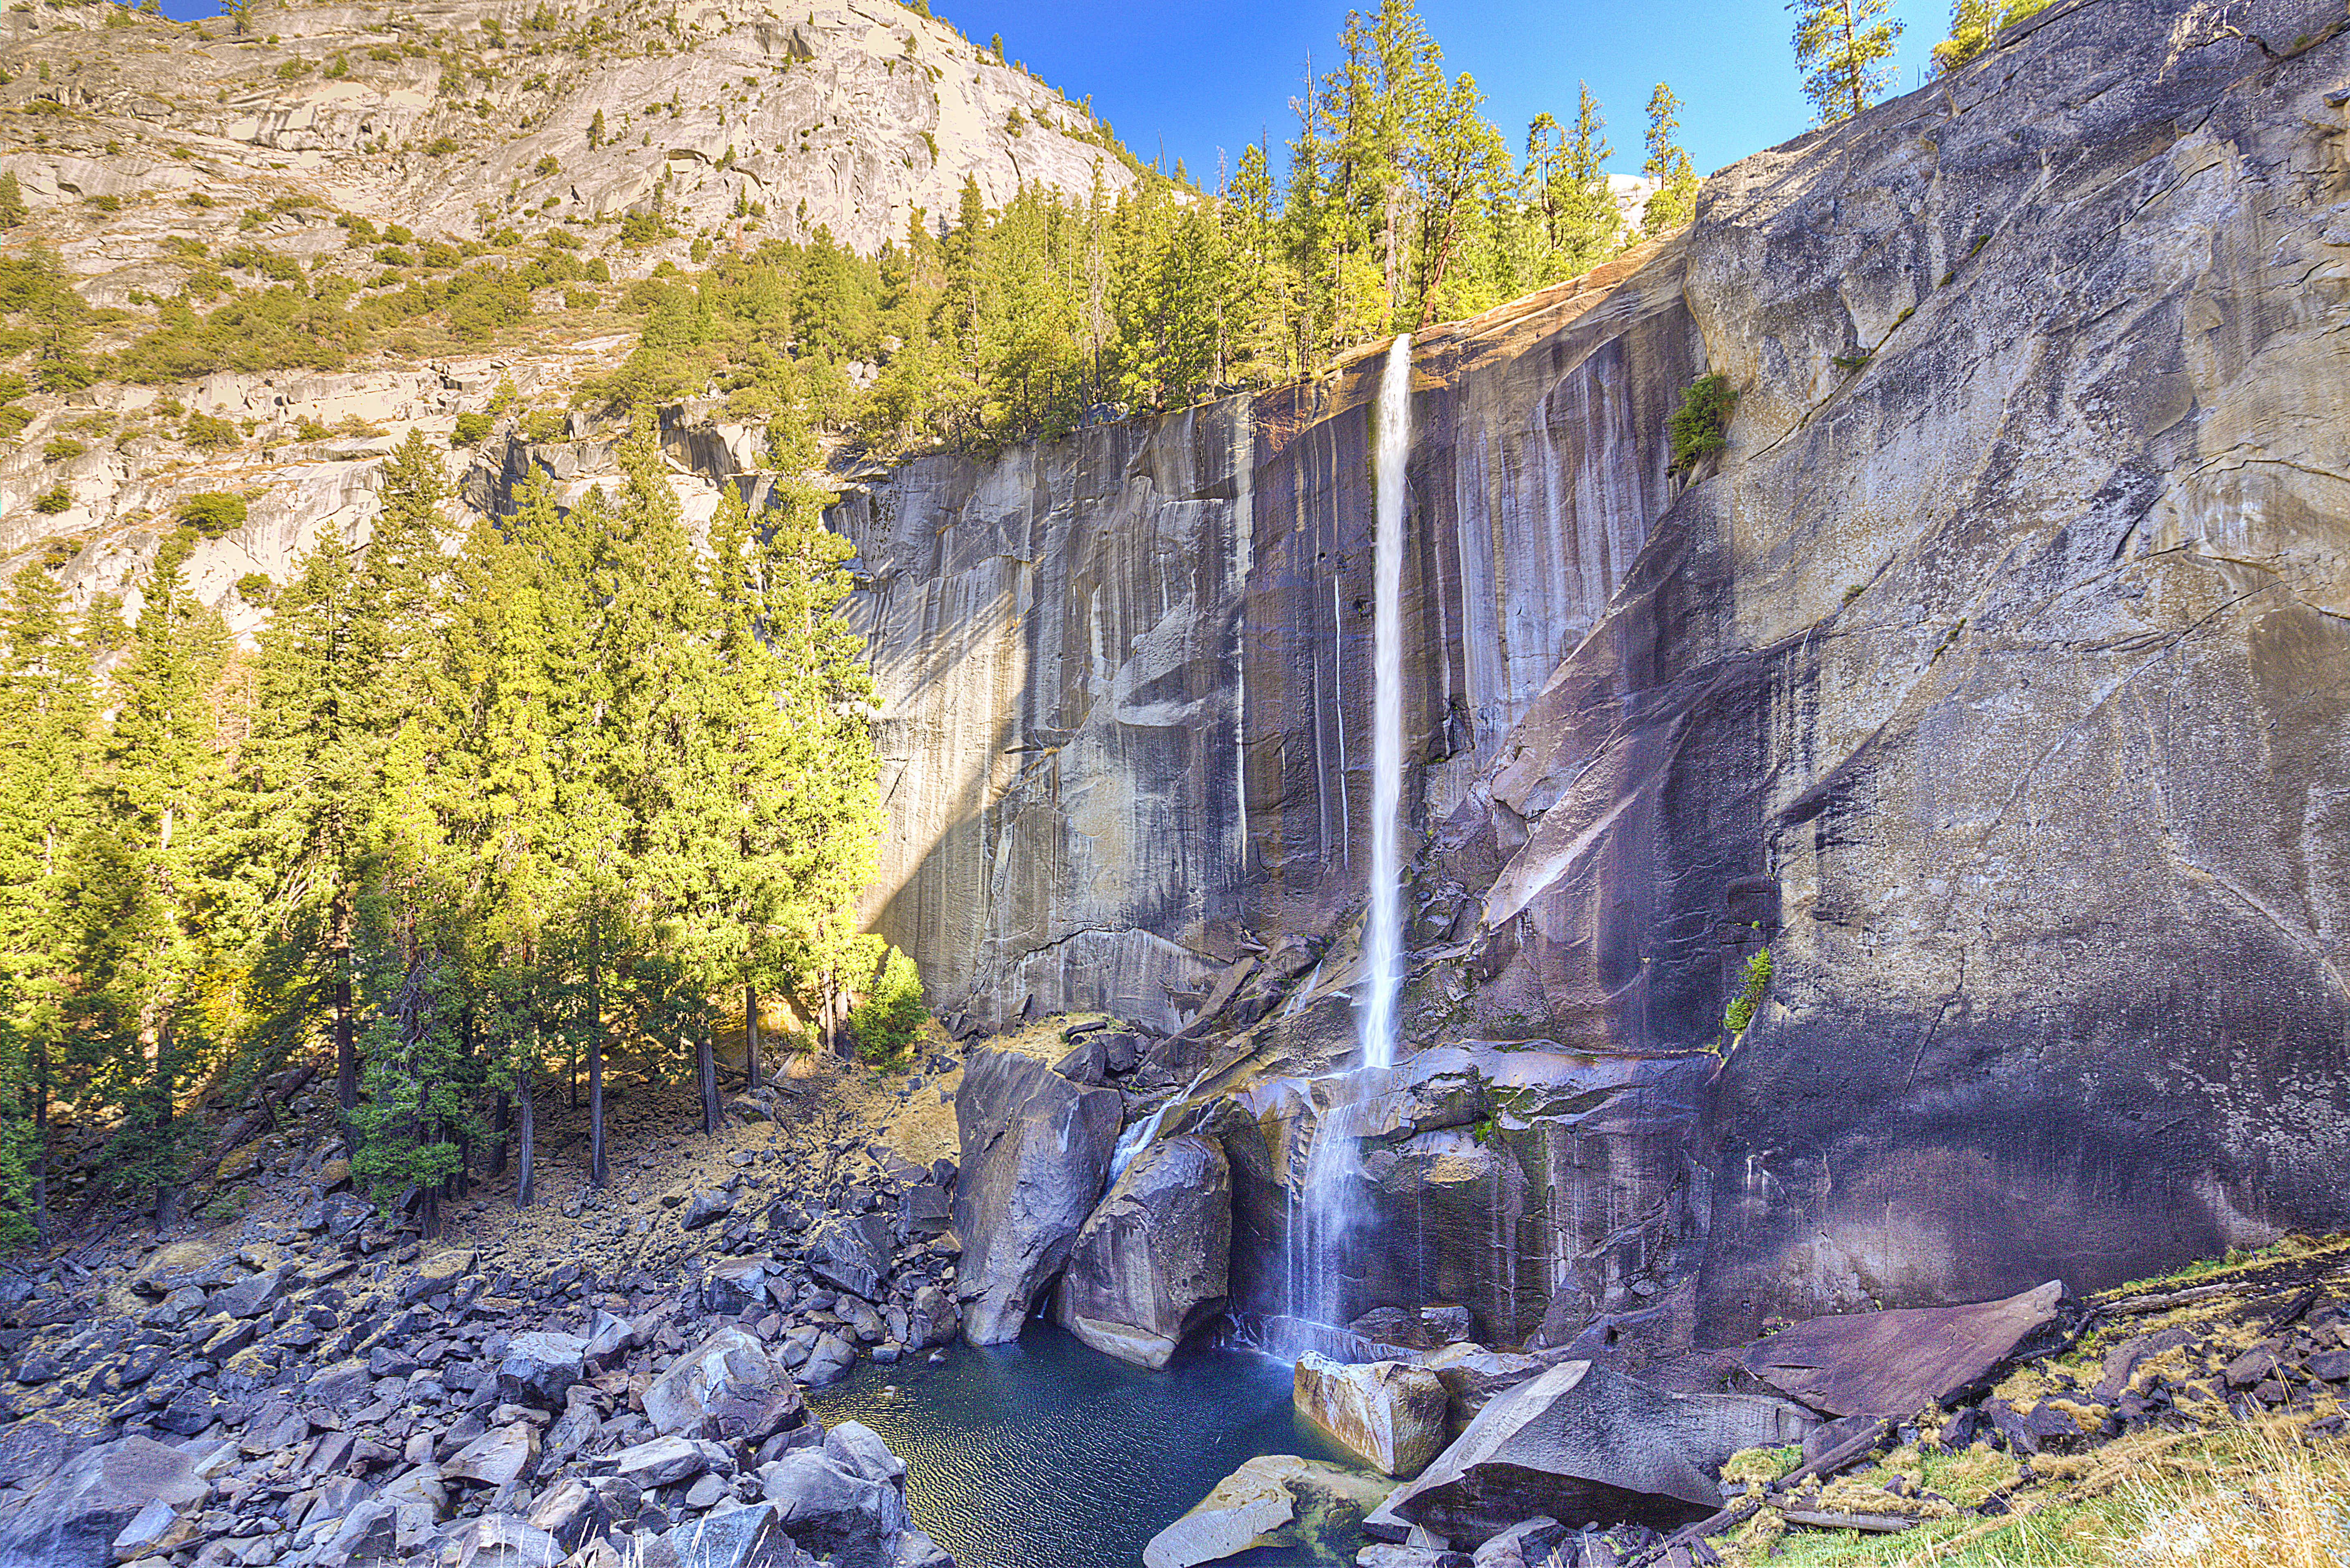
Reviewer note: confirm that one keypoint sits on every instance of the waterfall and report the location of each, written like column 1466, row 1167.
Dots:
column 1325, row 1196
column 1383, row 925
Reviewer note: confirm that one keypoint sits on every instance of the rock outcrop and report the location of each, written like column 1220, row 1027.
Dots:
column 1388, row 1414
column 1152, row 1262
column 1583, row 1444
column 1992, row 677
column 1035, row 1148
column 1274, row 1500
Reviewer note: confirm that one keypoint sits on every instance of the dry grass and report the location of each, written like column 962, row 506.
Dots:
column 2242, row 1497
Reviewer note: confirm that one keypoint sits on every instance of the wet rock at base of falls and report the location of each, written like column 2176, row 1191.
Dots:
column 1272, row 1500
column 74, row 1519
column 1473, row 1374
column 1583, row 1444
column 1388, row 1413
column 1036, row 1147
column 1892, row 1362
column 1153, row 1262
column 727, row 1388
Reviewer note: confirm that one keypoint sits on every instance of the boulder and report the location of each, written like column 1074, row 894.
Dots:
column 735, row 1286
column 749, row 1537
column 442, row 1274
column 74, row 1519
column 828, row 1360
column 1153, row 1262
column 705, row 1208
column 851, row 1252
column 1896, row 1363
column 1388, row 1413
column 1584, row 1444
column 1270, row 1503
column 728, row 1388
column 833, row 1508
column 498, row 1541
column 540, row 1368
column 660, row 1462
column 496, row 1457
column 933, row 1320
column 1473, row 1374
column 1036, row 1147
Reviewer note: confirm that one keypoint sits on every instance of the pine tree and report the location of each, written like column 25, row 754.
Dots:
column 46, row 710
column 1674, row 203
column 1839, row 45
column 136, row 935
column 1973, row 24
column 13, row 210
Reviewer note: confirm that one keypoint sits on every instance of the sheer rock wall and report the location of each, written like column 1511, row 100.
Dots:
column 1996, row 677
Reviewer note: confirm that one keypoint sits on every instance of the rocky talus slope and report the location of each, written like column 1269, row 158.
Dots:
column 614, row 1377
column 1993, row 678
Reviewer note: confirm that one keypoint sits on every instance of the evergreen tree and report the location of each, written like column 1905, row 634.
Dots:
column 1973, row 24
column 46, row 710
column 1838, row 47
column 13, row 210
column 137, row 930
column 1674, row 203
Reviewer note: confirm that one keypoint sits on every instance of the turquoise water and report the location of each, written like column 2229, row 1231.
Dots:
column 1045, row 1454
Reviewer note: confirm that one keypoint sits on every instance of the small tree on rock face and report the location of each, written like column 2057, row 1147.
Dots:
column 240, row 15
column 1676, row 202
column 1838, row 47
column 12, row 209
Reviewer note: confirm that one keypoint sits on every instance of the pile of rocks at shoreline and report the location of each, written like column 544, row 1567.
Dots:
column 336, row 1391
column 1557, row 1459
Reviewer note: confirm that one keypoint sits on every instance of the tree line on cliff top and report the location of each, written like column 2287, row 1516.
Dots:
column 1394, row 202
column 465, row 824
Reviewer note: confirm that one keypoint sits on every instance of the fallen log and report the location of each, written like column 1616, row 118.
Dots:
column 1874, row 1523
column 1841, row 1458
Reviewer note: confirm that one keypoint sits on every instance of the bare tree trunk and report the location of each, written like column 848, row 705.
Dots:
column 751, row 1063
column 527, row 1135
column 705, row 1072
column 347, row 1055
column 41, row 1138
column 595, row 1170
column 501, row 1119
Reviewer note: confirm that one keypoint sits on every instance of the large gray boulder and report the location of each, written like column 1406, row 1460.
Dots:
column 540, row 1368
column 1153, row 1262
column 1388, row 1414
column 727, row 1388
column 1583, row 1444
column 1036, row 1147
column 71, row 1522
column 846, row 1502
column 1272, row 1501
column 851, row 1252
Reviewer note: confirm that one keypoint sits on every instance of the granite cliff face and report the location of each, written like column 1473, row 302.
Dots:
column 1996, row 678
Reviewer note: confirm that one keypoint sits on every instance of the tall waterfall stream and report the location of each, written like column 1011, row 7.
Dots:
column 1043, row 1454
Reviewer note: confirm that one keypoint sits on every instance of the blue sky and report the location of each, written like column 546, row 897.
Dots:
column 1210, row 74
column 1194, row 77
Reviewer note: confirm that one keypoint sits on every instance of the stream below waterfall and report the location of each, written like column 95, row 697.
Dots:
column 1045, row 1454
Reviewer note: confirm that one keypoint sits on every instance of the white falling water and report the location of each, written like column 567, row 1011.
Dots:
column 1383, row 934
column 1322, row 1217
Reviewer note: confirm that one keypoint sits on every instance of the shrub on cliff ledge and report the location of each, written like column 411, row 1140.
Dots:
column 1700, row 426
